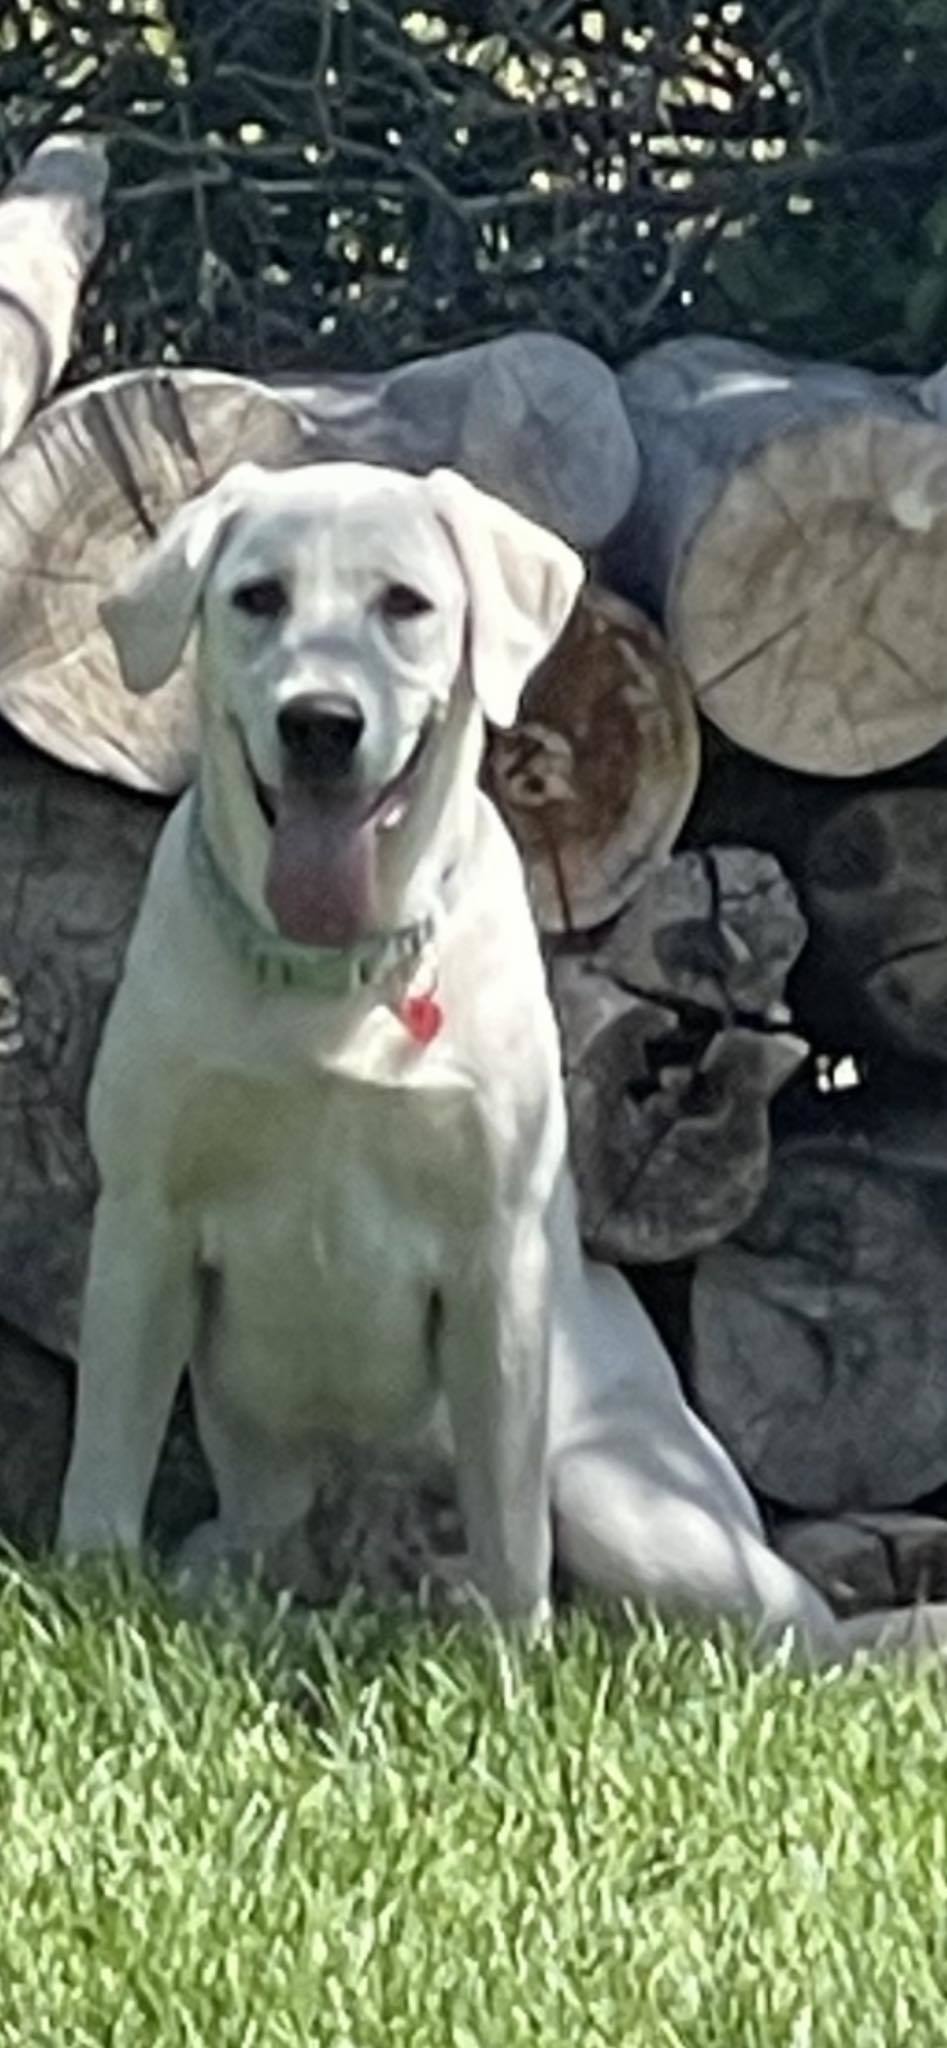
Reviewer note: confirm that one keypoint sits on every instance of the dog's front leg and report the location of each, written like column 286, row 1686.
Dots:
column 494, row 1358
column 138, row 1324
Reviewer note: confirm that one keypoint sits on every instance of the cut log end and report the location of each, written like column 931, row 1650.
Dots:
column 875, row 888
column 90, row 482
column 868, row 1561
column 819, row 1349
column 811, row 607
column 600, row 770
column 675, row 1041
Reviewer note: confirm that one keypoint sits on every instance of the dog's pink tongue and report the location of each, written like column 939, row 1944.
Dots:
column 320, row 879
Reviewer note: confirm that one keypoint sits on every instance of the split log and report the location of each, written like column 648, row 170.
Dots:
column 820, row 1330
column 875, row 892
column 861, row 1562
column 91, row 480
column 789, row 532
column 675, row 1040
column 599, row 772
column 531, row 417
column 871, row 875
column 73, row 856
column 51, row 228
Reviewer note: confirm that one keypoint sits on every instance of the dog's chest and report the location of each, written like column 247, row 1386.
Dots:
column 330, row 1221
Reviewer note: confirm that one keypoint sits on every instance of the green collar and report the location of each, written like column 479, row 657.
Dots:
column 275, row 962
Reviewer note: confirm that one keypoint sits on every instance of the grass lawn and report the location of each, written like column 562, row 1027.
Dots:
column 366, row 1832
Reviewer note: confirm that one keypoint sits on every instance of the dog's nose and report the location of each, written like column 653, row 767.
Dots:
column 320, row 731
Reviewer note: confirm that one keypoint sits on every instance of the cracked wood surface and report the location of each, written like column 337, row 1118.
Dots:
column 819, row 1349
column 597, row 775
column 90, row 482
column 789, row 533
column 676, row 1036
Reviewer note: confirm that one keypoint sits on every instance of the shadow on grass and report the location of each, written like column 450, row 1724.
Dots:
column 320, row 1665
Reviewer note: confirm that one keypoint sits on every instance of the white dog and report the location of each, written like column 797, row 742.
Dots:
column 327, row 1111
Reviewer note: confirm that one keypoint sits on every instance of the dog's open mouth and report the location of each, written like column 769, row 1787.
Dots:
column 321, row 871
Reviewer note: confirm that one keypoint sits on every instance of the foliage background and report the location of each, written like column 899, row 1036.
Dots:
column 348, row 182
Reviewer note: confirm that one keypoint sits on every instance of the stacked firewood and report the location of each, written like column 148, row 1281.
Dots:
column 788, row 532
column 728, row 784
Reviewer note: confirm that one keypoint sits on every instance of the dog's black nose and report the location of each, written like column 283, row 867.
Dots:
column 320, row 731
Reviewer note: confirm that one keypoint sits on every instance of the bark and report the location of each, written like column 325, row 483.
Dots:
column 73, row 856
column 533, row 418
column 51, row 229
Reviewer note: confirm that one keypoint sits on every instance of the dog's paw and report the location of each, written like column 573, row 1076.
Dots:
column 532, row 1628
column 917, row 1633
column 209, row 1566
column 529, row 1625
column 81, row 1537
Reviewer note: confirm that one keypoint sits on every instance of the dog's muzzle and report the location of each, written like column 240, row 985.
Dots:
column 320, row 884
column 320, row 733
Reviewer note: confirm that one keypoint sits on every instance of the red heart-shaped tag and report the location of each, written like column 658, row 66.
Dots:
column 422, row 1016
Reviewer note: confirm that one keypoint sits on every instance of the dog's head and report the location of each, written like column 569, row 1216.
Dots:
column 340, row 607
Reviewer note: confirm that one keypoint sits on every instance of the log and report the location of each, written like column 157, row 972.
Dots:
column 73, row 856
column 35, row 1430
column 869, row 873
column 534, row 418
column 385, row 1519
column 789, row 533
column 51, row 229
column 675, row 1039
column 932, row 395
column 183, row 1493
column 819, row 1333
column 875, row 893
column 100, row 471
column 751, row 802
column 36, row 1418
column 90, row 481
column 861, row 1562
column 599, row 772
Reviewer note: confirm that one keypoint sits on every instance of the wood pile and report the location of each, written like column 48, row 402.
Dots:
column 728, row 784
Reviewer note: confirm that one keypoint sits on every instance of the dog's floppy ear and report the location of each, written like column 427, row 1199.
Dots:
column 150, row 616
column 522, row 580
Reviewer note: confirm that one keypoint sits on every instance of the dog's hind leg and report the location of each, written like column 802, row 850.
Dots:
column 646, row 1503
column 626, row 1529
column 648, row 1507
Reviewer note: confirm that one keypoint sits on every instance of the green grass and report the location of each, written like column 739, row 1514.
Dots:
column 366, row 1832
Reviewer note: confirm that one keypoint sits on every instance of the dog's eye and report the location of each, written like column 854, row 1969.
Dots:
column 399, row 601
column 264, row 599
